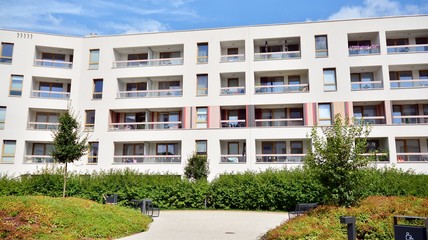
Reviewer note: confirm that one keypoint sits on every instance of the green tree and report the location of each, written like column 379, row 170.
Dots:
column 335, row 159
column 197, row 167
column 70, row 143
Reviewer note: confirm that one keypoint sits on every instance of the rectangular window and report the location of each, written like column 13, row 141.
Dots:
column 324, row 114
column 201, row 147
column 407, row 146
column 167, row 149
column 133, row 149
column 8, row 152
column 98, row 89
column 202, row 89
column 46, row 120
column 6, row 50
column 423, row 74
column 330, row 80
column 296, row 147
column 321, row 47
column 233, row 148
column 16, row 85
column 202, row 117
column 90, row 120
column 94, row 58
column 93, row 152
column 202, row 53
column 2, row 117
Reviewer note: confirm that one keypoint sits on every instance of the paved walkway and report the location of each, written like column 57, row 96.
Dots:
column 210, row 225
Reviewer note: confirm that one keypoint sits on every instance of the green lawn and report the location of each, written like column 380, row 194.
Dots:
column 29, row 217
column 374, row 220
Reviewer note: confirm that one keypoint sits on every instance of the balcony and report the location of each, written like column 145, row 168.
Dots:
column 53, row 57
column 232, row 84
column 369, row 112
column 405, row 42
column 279, row 115
column 377, row 150
column 168, row 55
column 51, row 88
column 232, row 51
column 366, row 78
column 360, row 44
column 147, row 152
column 146, row 119
column 233, row 151
column 411, row 150
column 38, row 152
column 43, row 119
column 407, row 112
column 281, row 82
column 405, row 76
column 145, row 87
column 277, row 49
column 233, row 116
column 280, row 151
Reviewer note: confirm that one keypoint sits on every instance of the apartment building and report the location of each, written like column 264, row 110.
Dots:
column 244, row 96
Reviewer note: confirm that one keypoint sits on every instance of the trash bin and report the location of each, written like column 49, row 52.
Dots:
column 410, row 232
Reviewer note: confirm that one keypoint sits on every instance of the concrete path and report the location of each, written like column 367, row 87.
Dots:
column 210, row 225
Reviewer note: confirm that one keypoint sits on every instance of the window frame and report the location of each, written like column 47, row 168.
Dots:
column 3, row 120
column 3, row 58
column 206, row 148
column 93, row 152
column 319, row 53
column 89, row 125
column 15, row 90
column 325, row 70
column 325, row 119
column 201, row 91
column 93, row 65
column 3, row 155
column 97, row 95
column 200, row 58
column 197, row 117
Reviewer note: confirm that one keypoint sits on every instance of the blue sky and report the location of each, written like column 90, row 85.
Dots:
column 105, row 17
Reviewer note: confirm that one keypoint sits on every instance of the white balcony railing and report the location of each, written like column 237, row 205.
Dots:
column 414, row 83
column 266, row 89
column 148, row 63
column 402, row 49
column 232, row 58
column 150, row 93
column 364, row 50
column 412, row 157
column 128, row 159
column 232, row 123
column 279, row 122
column 276, row 55
column 373, row 85
column 280, row 158
column 42, row 125
column 52, row 63
column 145, row 125
column 410, row 119
column 38, row 159
column 49, row 94
column 232, row 90
column 370, row 119
column 232, row 158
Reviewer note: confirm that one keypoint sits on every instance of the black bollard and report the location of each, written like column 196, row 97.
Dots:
column 350, row 221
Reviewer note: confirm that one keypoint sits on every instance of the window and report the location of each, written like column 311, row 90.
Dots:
column 6, row 52
column 398, row 79
column 51, row 90
column 94, row 58
column 365, row 111
column 46, row 120
column 362, row 81
column 202, row 85
column 98, row 89
column 407, row 146
column 90, row 120
column 93, row 152
column 166, row 149
column 2, row 117
column 133, row 149
column 321, row 47
column 8, row 152
column 398, row 111
column 397, row 42
column 42, row 149
column 201, row 147
column 296, row 147
column 16, row 85
column 270, row 149
column 164, row 55
column 202, row 53
column 233, row 148
column 423, row 74
column 202, row 117
column 174, row 86
column 330, row 79
column 324, row 114
column 272, row 81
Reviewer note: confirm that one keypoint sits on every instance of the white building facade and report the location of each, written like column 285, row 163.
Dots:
column 246, row 96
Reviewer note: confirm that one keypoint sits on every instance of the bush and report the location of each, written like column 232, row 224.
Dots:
column 197, row 168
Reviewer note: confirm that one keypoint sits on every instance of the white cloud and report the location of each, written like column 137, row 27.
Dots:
column 137, row 26
column 376, row 8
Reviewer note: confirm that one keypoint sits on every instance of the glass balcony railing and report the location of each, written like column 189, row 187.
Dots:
column 49, row 94
column 232, row 90
column 150, row 93
column 403, row 49
column 266, row 89
column 148, row 63
column 38, row 159
column 42, row 125
column 280, row 122
column 414, row 83
column 412, row 157
column 233, row 158
column 52, row 63
column 417, row 119
column 364, row 50
column 128, row 159
column 276, row 55
column 232, row 58
column 232, row 123
column 280, row 158
column 362, row 86
column 370, row 119
column 145, row 125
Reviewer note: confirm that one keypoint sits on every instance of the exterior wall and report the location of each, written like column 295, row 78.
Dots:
column 309, row 67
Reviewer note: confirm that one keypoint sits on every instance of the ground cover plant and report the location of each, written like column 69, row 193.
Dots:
column 39, row 217
column 374, row 219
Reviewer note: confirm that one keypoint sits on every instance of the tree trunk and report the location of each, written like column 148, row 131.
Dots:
column 65, row 180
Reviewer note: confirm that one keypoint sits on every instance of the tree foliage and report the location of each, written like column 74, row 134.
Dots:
column 70, row 143
column 197, row 167
column 336, row 158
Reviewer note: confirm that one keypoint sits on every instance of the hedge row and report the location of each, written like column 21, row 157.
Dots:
column 269, row 190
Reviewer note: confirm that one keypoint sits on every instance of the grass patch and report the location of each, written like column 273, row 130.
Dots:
column 374, row 219
column 39, row 217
